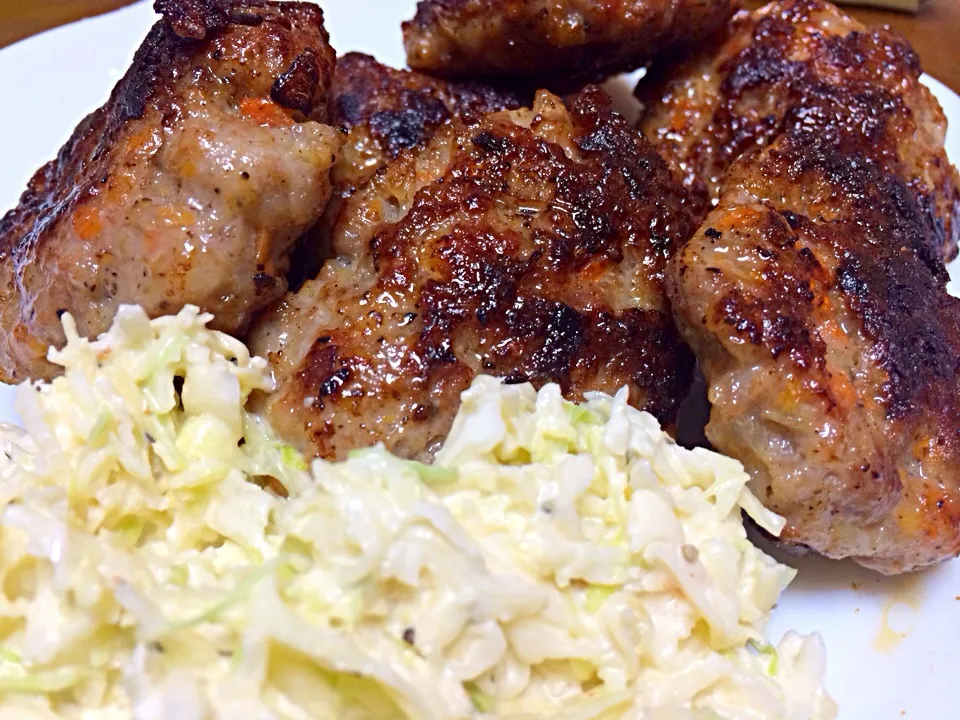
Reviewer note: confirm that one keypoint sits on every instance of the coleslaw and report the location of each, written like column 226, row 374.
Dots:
column 164, row 555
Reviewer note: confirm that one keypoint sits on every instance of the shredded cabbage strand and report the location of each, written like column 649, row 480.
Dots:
column 164, row 555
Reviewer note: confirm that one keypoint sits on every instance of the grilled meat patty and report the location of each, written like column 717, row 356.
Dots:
column 554, row 43
column 803, row 66
column 814, row 296
column 189, row 186
column 529, row 245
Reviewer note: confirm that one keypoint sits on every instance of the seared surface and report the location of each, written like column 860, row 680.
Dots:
column 385, row 110
column 814, row 298
column 528, row 245
column 803, row 66
column 189, row 186
column 554, row 43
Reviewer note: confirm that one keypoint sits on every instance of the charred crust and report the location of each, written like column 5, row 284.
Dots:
column 793, row 220
column 193, row 19
column 297, row 86
column 401, row 129
column 264, row 282
column 197, row 19
column 400, row 109
column 490, row 142
column 322, row 377
column 516, row 378
column 763, row 63
column 777, row 321
column 333, row 383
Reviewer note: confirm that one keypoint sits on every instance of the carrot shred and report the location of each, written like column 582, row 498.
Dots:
column 86, row 222
column 265, row 113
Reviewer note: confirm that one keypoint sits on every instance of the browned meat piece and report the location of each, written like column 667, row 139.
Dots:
column 815, row 299
column 554, row 43
column 385, row 111
column 802, row 65
column 189, row 186
column 528, row 245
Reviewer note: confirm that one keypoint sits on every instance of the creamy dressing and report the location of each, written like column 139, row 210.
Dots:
column 557, row 560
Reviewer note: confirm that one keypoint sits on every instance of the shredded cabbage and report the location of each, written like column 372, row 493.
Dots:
column 164, row 555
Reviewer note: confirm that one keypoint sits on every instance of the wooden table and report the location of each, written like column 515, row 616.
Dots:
column 934, row 31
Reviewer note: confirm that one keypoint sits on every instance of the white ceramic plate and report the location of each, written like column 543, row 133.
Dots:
column 893, row 644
